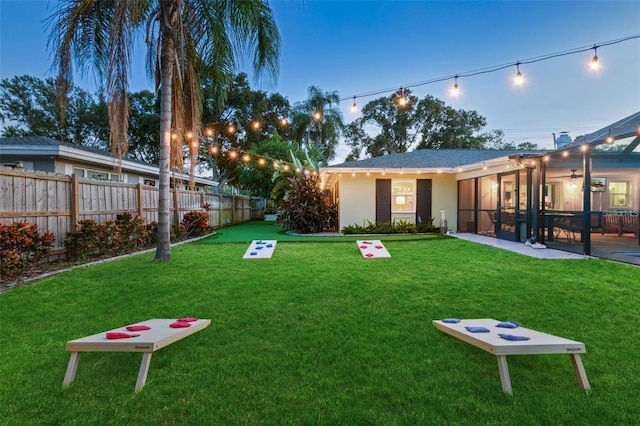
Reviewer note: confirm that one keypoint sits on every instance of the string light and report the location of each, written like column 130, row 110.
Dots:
column 518, row 78
column 495, row 68
column 231, row 129
column 317, row 115
column 283, row 122
column 402, row 100
column 354, row 107
column 246, row 158
column 609, row 138
column 256, row 125
column 455, row 91
column 594, row 61
column 262, row 161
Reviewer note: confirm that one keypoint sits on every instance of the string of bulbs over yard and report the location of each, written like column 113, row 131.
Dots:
column 208, row 136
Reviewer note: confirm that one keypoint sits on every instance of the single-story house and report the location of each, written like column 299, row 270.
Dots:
column 515, row 194
column 49, row 155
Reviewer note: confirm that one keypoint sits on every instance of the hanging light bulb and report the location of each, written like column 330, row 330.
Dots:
column 518, row 78
column 402, row 100
column 354, row 107
column 262, row 161
column 209, row 132
column 594, row 61
column 213, row 150
column 231, row 129
column 455, row 91
column 283, row 122
column 609, row 138
column 256, row 125
column 317, row 115
column 246, row 158
column 233, row 154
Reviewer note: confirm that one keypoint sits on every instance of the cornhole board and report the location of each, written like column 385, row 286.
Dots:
column 148, row 341
column 538, row 343
column 260, row 249
column 371, row 249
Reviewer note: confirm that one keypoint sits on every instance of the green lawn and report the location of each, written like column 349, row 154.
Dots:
column 319, row 335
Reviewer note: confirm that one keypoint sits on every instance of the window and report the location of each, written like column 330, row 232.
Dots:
column 402, row 196
column 620, row 194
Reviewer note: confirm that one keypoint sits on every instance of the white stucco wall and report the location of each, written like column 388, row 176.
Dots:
column 357, row 202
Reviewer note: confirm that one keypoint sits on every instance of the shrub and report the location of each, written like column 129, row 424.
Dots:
column 124, row 235
column 84, row 241
column 22, row 245
column 195, row 223
column 306, row 209
column 400, row 227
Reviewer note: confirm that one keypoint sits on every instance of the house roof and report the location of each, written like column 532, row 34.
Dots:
column 431, row 159
column 46, row 146
column 36, row 145
column 627, row 127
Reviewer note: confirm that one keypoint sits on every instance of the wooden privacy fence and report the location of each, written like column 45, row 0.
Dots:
column 56, row 203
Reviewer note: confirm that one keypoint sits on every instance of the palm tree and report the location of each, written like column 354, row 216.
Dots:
column 317, row 121
column 187, row 40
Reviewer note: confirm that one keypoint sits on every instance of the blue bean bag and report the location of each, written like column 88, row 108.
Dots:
column 451, row 320
column 512, row 337
column 508, row 324
column 477, row 329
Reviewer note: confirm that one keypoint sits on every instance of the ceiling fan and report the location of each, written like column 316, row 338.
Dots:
column 573, row 174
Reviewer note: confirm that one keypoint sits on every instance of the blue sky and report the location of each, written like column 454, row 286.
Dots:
column 355, row 47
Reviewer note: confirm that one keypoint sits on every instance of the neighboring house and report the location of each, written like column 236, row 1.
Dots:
column 49, row 155
column 513, row 195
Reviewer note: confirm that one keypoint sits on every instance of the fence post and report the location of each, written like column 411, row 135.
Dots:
column 75, row 201
column 176, row 212
column 139, row 192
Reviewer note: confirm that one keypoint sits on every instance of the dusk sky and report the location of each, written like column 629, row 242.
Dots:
column 355, row 47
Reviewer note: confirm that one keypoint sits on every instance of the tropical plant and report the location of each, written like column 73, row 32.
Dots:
column 306, row 208
column 186, row 39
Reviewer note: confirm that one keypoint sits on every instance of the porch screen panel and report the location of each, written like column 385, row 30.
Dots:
column 467, row 205
column 423, row 200
column 383, row 200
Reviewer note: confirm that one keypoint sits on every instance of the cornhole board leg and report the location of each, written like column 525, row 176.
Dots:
column 504, row 374
column 72, row 367
column 144, row 370
column 580, row 372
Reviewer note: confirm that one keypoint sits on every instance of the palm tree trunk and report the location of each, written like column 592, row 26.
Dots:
column 163, row 248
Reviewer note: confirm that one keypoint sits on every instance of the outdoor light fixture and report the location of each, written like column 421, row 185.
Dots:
column 594, row 62
column 317, row 115
column 609, row 138
column 246, row 158
column 213, row 150
column 518, row 78
column 484, row 166
column 262, row 161
column 402, row 100
column 233, row 154
column 209, row 132
column 283, row 121
column 231, row 129
column 256, row 125
column 354, row 107
column 455, row 90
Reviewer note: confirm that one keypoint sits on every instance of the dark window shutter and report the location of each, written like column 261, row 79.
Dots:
column 383, row 200
column 423, row 200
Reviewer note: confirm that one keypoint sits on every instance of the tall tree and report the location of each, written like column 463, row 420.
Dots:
column 406, row 122
column 187, row 39
column 29, row 103
column 254, row 116
column 317, row 121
